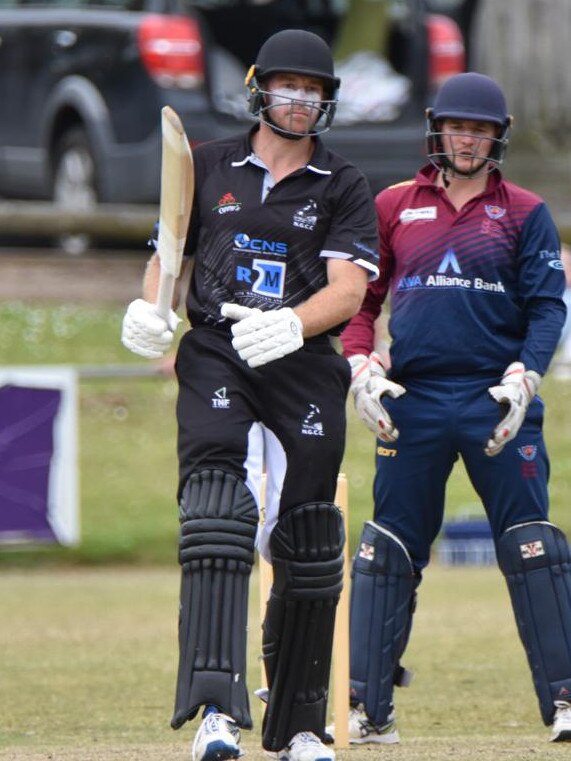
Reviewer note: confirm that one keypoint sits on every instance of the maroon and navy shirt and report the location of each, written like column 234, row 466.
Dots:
column 470, row 290
column 267, row 246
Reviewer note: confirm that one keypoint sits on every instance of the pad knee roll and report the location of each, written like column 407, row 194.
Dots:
column 219, row 519
column 536, row 562
column 381, row 608
column 307, row 556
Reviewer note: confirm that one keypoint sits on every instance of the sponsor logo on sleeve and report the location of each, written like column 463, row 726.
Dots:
column 553, row 258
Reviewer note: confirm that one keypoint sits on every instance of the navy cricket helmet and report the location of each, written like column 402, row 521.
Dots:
column 471, row 96
column 294, row 51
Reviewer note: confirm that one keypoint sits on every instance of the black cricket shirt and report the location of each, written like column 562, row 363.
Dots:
column 268, row 248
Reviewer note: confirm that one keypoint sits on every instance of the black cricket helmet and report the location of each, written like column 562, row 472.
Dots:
column 294, row 51
column 475, row 97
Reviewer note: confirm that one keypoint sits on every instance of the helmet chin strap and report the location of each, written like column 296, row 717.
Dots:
column 449, row 170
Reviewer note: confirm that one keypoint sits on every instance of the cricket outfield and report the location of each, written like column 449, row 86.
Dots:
column 89, row 658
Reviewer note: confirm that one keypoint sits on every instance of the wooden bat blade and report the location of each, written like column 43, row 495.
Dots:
column 177, row 192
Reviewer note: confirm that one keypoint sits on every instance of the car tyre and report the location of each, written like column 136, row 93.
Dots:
column 74, row 184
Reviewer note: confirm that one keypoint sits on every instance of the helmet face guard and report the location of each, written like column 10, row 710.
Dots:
column 263, row 102
column 483, row 159
column 468, row 97
column 293, row 51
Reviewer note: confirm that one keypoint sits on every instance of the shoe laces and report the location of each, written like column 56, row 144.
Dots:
column 359, row 715
column 213, row 720
column 306, row 737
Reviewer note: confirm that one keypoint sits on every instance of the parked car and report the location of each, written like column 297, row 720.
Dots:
column 82, row 83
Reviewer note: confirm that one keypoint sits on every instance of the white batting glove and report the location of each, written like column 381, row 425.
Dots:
column 517, row 388
column 369, row 384
column 261, row 337
column 145, row 332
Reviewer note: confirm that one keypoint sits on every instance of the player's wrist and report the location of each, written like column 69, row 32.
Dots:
column 360, row 372
column 377, row 365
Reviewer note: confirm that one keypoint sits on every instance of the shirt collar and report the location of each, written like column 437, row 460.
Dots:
column 428, row 173
column 317, row 162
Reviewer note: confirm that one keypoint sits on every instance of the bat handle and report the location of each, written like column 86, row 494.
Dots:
column 165, row 294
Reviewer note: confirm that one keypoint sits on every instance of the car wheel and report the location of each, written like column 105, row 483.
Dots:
column 74, row 184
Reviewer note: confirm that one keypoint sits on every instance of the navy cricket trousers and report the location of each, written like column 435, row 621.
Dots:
column 440, row 420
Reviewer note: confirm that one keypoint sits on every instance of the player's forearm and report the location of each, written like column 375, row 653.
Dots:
column 151, row 279
column 359, row 335
column 332, row 305
column 151, row 282
column 545, row 322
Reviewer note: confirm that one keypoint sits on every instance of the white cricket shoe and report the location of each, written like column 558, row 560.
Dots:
column 363, row 731
column 305, row 746
column 217, row 739
column 561, row 728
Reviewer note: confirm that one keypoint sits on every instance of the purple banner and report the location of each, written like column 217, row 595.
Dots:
column 27, row 418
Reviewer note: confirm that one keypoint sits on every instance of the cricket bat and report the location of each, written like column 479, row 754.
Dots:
column 177, row 192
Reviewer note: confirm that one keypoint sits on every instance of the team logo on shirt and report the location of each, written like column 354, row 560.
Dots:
column 227, row 203
column 311, row 424
column 489, row 225
column 306, row 217
column 493, row 211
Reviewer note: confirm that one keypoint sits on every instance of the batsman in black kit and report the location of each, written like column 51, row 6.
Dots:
column 283, row 240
